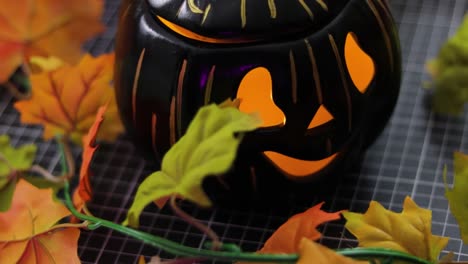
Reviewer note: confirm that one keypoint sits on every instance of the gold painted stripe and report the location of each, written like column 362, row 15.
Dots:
column 205, row 14
column 386, row 36
column 223, row 183
column 343, row 79
column 209, row 85
column 329, row 146
column 172, row 125
column 322, row 4
column 180, row 86
column 127, row 9
column 154, row 120
column 315, row 73
column 243, row 13
column 385, row 8
column 272, row 6
column 293, row 76
column 135, row 84
column 253, row 178
column 193, row 7
column 307, row 9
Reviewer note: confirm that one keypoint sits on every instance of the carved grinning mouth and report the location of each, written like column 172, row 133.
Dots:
column 296, row 167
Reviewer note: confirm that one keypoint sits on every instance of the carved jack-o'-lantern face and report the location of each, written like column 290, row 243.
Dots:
column 255, row 92
column 323, row 75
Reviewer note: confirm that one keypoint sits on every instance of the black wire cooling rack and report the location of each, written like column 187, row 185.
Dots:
column 406, row 160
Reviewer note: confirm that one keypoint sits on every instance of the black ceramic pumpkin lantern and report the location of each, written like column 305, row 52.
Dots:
column 324, row 76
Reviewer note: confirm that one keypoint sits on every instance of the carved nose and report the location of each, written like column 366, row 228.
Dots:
column 321, row 117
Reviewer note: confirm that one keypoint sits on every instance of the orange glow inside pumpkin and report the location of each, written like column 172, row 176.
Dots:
column 360, row 66
column 322, row 116
column 192, row 35
column 297, row 167
column 256, row 95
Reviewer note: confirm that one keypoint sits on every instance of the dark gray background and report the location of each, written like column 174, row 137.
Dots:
column 407, row 159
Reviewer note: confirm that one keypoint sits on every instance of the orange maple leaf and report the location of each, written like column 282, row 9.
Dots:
column 45, row 27
column 287, row 237
column 83, row 192
column 27, row 233
column 311, row 252
column 66, row 99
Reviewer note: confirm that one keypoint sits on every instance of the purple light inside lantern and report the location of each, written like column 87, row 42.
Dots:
column 227, row 73
column 203, row 79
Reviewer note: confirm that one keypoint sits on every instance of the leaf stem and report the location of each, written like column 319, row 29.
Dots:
column 45, row 174
column 53, row 228
column 86, row 210
column 63, row 142
column 69, row 170
column 216, row 243
column 83, row 224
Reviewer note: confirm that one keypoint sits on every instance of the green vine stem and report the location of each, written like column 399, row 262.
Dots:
column 234, row 255
column 172, row 247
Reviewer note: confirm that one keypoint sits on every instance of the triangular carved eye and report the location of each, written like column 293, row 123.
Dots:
column 256, row 95
column 322, row 116
column 360, row 66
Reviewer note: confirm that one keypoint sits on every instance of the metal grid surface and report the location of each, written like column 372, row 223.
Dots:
column 407, row 159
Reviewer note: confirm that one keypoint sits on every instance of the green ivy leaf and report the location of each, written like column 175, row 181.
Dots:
column 12, row 160
column 457, row 195
column 208, row 148
column 6, row 195
column 450, row 73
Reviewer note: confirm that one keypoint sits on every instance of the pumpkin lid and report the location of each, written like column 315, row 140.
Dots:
column 251, row 19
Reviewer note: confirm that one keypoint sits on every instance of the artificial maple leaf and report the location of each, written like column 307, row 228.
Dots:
column 208, row 148
column 457, row 195
column 12, row 161
column 287, row 237
column 231, row 103
column 66, row 99
column 449, row 72
column 45, row 27
column 408, row 231
column 38, row 64
column 311, row 252
column 83, row 192
column 27, row 233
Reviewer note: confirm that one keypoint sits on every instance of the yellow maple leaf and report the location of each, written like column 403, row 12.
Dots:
column 45, row 27
column 65, row 100
column 311, row 252
column 408, row 231
column 208, row 148
column 38, row 64
column 27, row 233
column 457, row 195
